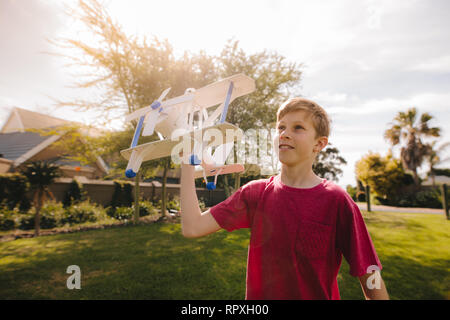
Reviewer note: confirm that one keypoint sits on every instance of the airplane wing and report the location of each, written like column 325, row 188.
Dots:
column 229, row 168
column 163, row 148
column 165, row 104
column 214, row 93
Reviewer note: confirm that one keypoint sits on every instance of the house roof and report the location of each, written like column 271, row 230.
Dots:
column 16, row 144
column 21, row 119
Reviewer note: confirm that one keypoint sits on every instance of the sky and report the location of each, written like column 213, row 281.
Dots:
column 362, row 60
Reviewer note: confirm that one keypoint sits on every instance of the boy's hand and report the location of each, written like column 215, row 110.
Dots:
column 194, row 223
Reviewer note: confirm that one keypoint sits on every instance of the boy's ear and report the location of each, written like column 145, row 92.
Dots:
column 321, row 143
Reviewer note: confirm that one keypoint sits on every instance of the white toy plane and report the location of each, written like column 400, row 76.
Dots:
column 174, row 118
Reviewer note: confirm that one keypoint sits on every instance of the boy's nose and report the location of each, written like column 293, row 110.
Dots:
column 284, row 135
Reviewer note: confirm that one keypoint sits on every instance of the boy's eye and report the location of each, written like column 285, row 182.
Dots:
column 281, row 128
column 298, row 127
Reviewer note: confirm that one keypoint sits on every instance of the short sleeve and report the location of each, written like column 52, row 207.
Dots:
column 354, row 240
column 236, row 211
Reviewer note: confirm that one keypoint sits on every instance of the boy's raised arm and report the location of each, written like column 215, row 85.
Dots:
column 194, row 223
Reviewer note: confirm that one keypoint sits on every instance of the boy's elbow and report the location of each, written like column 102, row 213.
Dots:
column 189, row 233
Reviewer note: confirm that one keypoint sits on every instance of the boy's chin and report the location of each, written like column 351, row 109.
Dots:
column 292, row 162
column 287, row 162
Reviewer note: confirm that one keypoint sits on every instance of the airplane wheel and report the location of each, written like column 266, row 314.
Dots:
column 130, row 173
column 210, row 186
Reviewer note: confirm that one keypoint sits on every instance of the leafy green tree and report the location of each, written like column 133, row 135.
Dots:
column 384, row 175
column 328, row 162
column 408, row 131
column 275, row 78
column 40, row 175
column 129, row 72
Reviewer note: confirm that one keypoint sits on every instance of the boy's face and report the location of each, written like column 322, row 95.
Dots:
column 296, row 140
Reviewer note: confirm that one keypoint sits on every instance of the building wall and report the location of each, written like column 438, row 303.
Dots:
column 5, row 165
column 100, row 191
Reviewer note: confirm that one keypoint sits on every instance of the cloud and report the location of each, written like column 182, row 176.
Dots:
column 434, row 65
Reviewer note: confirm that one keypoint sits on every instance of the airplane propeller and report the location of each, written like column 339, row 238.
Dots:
column 152, row 117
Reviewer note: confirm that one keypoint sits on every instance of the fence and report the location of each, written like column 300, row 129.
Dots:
column 101, row 191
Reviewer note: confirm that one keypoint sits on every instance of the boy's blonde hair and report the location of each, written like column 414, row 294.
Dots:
column 319, row 116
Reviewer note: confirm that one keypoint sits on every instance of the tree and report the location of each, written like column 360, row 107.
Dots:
column 127, row 72
column 384, row 175
column 275, row 79
column 408, row 130
column 327, row 162
column 40, row 175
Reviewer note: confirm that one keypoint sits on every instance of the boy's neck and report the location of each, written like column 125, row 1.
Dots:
column 300, row 176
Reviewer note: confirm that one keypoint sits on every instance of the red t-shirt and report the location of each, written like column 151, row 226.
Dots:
column 298, row 237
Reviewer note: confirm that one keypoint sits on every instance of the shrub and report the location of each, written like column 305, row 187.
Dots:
column 361, row 196
column 26, row 221
column 146, row 208
column 75, row 194
column 127, row 196
column 51, row 216
column 7, row 219
column 173, row 204
column 84, row 212
column 352, row 191
column 13, row 190
column 122, row 196
column 423, row 199
column 122, row 213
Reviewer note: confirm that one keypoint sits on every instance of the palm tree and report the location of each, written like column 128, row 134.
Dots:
column 40, row 174
column 407, row 132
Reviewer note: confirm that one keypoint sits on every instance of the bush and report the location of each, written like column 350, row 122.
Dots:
column 351, row 191
column 13, row 190
column 25, row 221
column 121, row 213
column 361, row 196
column 122, row 196
column 84, row 212
column 52, row 215
column 202, row 204
column 173, row 204
column 431, row 198
column 146, row 208
column 75, row 194
column 7, row 219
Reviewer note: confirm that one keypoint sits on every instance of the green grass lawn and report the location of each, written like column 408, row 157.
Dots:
column 156, row 262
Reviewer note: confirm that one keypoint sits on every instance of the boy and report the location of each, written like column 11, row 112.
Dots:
column 301, row 225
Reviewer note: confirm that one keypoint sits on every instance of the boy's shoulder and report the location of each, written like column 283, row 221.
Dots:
column 326, row 188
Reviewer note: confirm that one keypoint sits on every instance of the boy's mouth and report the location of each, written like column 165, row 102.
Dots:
column 285, row 147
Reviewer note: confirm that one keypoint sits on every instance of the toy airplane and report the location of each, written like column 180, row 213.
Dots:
column 174, row 118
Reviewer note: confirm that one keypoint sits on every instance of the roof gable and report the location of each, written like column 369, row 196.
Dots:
column 22, row 119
